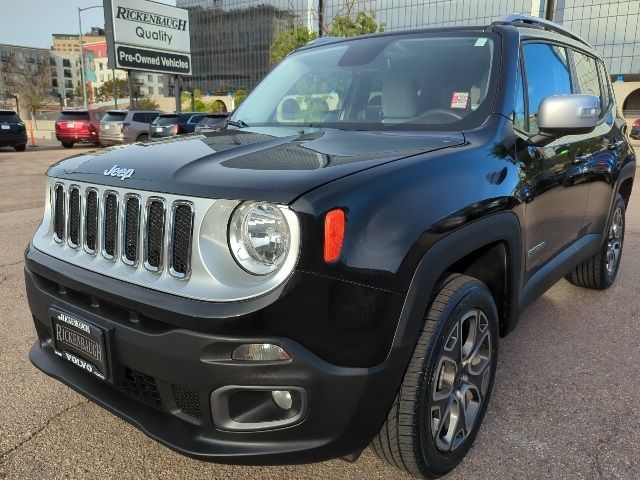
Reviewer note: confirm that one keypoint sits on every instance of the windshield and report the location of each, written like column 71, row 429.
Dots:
column 212, row 121
column 114, row 117
column 413, row 81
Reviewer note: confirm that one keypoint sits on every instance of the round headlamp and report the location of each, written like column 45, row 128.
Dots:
column 259, row 237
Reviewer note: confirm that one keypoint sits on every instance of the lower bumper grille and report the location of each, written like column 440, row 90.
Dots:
column 141, row 386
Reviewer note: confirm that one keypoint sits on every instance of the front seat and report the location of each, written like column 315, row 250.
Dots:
column 399, row 102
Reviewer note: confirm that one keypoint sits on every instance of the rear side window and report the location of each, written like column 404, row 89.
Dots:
column 547, row 71
column 140, row 117
column 586, row 74
column 9, row 116
column 114, row 117
column 195, row 118
column 74, row 116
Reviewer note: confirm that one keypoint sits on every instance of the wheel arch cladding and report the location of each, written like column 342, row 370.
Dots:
column 468, row 249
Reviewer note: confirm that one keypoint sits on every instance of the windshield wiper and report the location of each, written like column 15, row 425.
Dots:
column 237, row 123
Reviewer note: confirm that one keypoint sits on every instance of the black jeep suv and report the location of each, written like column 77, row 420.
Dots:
column 335, row 268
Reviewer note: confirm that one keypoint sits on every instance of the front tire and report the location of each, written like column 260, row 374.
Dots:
column 67, row 144
column 446, row 388
column 20, row 148
column 600, row 271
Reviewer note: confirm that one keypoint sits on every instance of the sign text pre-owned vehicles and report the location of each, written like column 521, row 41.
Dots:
column 148, row 36
column 334, row 268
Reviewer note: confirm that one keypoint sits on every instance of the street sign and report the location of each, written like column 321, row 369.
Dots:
column 148, row 36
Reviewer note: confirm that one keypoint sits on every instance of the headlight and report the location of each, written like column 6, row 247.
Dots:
column 259, row 237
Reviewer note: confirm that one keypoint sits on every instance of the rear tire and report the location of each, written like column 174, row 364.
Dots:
column 600, row 271
column 20, row 148
column 67, row 144
column 143, row 137
column 446, row 388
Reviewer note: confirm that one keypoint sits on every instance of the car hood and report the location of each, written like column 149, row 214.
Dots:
column 270, row 164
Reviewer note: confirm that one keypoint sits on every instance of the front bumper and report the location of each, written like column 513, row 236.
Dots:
column 163, row 378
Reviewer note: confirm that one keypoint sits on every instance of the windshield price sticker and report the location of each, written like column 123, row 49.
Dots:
column 460, row 100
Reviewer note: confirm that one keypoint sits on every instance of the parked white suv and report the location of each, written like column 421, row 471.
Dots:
column 126, row 126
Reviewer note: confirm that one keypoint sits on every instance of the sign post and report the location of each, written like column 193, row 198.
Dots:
column 150, row 37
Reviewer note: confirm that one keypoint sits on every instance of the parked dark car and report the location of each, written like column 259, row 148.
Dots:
column 635, row 129
column 170, row 124
column 211, row 122
column 335, row 268
column 78, row 126
column 12, row 131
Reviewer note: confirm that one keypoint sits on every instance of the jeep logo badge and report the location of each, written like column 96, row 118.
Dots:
column 116, row 171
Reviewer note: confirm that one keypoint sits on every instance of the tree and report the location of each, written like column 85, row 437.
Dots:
column 147, row 103
column 30, row 81
column 106, row 89
column 343, row 25
column 287, row 41
column 239, row 96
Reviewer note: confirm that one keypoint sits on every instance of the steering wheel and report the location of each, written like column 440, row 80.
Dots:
column 442, row 112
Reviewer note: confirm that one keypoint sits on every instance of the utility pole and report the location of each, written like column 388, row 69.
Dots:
column 320, row 17
column 130, row 80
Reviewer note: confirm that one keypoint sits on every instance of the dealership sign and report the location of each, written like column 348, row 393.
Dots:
column 149, row 36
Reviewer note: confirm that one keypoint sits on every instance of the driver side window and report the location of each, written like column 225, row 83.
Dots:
column 547, row 71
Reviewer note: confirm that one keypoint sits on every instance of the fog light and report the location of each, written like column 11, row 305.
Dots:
column 259, row 352
column 282, row 398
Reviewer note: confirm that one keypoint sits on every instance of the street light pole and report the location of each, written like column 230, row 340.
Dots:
column 84, row 83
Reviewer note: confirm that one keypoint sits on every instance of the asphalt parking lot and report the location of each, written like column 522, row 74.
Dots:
column 563, row 407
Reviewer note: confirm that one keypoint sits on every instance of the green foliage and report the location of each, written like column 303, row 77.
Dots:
column 362, row 24
column 201, row 104
column 147, row 103
column 287, row 41
column 342, row 26
column 105, row 91
column 239, row 96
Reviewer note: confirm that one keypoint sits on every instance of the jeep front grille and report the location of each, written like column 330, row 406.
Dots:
column 120, row 226
column 162, row 241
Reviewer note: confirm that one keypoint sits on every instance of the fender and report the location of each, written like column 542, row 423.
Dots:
column 503, row 226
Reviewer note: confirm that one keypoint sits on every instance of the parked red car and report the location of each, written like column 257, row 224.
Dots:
column 78, row 126
column 635, row 129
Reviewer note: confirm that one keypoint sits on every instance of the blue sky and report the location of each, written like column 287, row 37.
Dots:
column 31, row 22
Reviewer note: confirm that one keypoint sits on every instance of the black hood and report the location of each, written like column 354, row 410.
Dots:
column 277, row 164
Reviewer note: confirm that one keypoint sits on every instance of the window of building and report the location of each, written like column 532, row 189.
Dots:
column 547, row 71
column 150, row 78
column 150, row 90
column 160, row 91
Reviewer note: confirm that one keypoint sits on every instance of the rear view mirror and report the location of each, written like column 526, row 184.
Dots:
column 560, row 115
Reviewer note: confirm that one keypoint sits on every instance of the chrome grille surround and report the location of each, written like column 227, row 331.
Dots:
column 201, row 269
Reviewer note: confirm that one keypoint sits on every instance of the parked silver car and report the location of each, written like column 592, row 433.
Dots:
column 126, row 126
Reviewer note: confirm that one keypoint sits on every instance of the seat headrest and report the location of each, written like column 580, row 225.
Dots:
column 398, row 99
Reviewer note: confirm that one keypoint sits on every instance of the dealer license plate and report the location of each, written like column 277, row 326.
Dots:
column 80, row 343
column 159, row 129
column 5, row 127
column 71, row 125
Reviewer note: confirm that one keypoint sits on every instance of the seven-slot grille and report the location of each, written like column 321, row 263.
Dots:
column 126, row 226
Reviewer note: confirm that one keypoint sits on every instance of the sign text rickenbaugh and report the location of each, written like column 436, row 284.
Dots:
column 125, row 13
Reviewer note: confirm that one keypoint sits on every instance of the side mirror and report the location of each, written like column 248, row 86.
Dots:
column 560, row 115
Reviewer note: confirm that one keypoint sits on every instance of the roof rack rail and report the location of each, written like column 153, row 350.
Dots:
column 528, row 21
